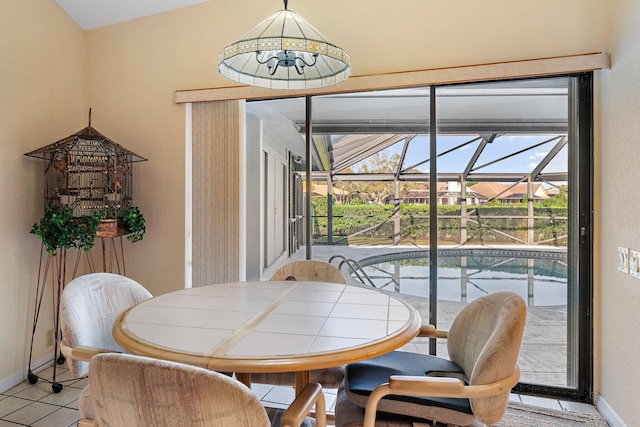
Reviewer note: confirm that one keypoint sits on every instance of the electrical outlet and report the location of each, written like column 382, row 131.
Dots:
column 634, row 264
column 49, row 338
column 623, row 260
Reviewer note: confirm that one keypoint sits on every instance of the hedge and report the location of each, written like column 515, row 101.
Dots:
column 550, row 224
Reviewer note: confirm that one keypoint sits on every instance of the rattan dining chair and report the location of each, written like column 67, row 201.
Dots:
column 89, row 305
column 136, row 391
column 313, row 270
column 308, row 269
column 470, row 388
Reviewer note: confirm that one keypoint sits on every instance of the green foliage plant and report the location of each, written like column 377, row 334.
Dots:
column 59, row 229
column 134, row 220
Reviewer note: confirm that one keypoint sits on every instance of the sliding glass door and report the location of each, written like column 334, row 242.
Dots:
column 513, row 209
column 443, row 194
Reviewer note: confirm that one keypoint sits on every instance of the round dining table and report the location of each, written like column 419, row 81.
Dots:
column 268, row 326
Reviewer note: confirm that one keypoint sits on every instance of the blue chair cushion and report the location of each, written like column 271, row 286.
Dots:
column 364, row 377
column 275, row 414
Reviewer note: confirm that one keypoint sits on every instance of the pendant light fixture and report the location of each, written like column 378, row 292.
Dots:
column 284, row 52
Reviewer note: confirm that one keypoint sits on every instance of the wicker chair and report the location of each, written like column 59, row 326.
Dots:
column 470, row 388
column 89, row 305
column 137, row 391
column 319, row 271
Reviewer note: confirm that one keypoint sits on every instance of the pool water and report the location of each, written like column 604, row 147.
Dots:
column 539, row 277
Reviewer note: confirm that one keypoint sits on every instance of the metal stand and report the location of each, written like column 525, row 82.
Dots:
column 110, row 255
column 54, row 267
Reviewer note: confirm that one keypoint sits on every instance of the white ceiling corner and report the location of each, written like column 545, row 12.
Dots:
column 91, row 14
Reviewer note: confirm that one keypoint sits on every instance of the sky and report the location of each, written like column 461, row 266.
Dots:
column 532, row 150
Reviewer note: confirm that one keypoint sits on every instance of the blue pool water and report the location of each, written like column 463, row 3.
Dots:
column 538, row 276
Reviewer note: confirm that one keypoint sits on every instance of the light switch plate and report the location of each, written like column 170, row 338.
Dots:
column 623, row 260
column 634, row 264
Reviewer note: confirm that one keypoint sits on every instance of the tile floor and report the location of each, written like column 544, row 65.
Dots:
column 36, row 404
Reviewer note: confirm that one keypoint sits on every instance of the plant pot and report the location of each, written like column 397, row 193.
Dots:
column 112, row 228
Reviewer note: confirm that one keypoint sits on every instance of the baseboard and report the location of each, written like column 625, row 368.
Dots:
column 16, row 378
column 608, row 413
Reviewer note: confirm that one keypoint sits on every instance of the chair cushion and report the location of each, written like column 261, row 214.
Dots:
column 350, row 415
column 364, row 377
column 275, row 414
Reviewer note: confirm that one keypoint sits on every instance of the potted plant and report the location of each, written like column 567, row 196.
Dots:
column 131, row 223
column 59, row 229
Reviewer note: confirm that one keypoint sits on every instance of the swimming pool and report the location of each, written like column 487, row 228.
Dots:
column 464, row 274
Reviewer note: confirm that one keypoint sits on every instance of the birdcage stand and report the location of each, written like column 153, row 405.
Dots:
column 51, row 267
column 88, row 174
column 54, row 268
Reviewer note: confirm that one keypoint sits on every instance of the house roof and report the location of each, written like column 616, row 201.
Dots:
column 497, row 190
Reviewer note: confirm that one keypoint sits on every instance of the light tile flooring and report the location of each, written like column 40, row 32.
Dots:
column 36, row 404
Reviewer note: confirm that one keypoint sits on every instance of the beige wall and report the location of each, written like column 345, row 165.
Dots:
column 41, row 100
column 52, row 73
column 618, row 156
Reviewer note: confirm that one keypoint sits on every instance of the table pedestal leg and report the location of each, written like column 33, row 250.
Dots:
column 302, row 379
column 244, row 378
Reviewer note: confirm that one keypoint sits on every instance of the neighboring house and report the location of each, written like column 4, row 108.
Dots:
column 449, row 193
column 415, row 196
column 507, row 193
column 481, row 192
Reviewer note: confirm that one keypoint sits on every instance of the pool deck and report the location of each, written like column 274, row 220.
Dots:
column 544, row 349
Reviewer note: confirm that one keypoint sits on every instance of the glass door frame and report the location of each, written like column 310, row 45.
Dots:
column 580, row 267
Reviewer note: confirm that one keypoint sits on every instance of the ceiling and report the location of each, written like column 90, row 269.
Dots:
column 90, row 14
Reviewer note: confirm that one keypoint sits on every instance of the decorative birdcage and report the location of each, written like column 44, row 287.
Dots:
column 89, row 173
column 88, row 180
